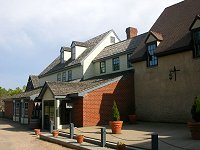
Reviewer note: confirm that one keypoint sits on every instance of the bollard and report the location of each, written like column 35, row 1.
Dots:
column 103, row 137
column 154, row 141
column 71, row 130
column 51, row 126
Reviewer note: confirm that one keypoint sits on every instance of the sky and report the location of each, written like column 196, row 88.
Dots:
column 33, row 31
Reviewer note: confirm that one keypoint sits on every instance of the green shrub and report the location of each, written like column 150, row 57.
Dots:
column 195, row 111
column 116, row 115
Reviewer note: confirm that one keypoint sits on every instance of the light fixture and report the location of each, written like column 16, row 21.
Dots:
column 172, row 73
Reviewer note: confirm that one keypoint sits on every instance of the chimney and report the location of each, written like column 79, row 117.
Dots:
column 131, row 32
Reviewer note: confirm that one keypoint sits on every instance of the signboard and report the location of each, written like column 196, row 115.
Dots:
column 69, row 105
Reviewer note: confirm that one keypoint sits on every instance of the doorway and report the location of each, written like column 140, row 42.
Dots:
column 48, row 113
column 65, row 113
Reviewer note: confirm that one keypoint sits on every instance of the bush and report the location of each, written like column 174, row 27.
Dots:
column 195, row 110
column 116, row 115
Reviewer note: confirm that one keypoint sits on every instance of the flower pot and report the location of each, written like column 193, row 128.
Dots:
column 116, row 127
column 37, row 131
column 80, row 138
column 55, row 133
column 132, row 119
column 195, row 130
column 121, row 147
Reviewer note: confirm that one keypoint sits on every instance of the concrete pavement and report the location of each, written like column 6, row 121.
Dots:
column 171, row 136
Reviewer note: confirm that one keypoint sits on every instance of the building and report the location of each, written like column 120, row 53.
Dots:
column 21, row 107
column 86, row 78
column 166, row 64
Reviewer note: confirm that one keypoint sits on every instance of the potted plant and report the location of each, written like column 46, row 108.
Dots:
column 80, row 138
column 121, row 146
column 37, row 131
column 116, row 124
column 55, row 133
column 195, row 124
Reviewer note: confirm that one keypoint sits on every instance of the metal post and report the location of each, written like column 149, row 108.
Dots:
column 51, row 126
column 71, row 130
column 103, row 137
column 154, row 141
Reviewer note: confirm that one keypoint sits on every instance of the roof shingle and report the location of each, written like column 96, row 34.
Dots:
column 174, row 25
column 57, row 66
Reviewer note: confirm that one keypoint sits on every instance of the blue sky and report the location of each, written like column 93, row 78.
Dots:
column 32, row 31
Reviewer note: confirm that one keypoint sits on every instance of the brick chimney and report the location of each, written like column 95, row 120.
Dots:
column 131, row 32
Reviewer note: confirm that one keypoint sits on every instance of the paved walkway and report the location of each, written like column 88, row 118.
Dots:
column 14, row 136
column 171, row 136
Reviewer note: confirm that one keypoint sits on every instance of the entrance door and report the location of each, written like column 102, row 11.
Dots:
column 48, row 113
column 65, row 114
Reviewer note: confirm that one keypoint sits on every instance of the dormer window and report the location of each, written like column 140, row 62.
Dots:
column 112, row 39
column 152, row 59
column 196, row 39
column 152, row 41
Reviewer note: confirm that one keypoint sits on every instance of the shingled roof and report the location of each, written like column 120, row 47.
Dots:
column 26, row 94
column 125, row 46
column 57, row 66
column 174, row 25
column 65, row 88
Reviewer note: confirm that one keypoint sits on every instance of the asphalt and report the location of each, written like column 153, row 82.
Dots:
column 170, row 136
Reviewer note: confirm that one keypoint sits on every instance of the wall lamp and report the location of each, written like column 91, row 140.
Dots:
column 172, row 73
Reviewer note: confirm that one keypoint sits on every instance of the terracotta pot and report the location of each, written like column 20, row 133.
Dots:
column 55, row 133
column 132, row 119
column 80, row 138
column 37, row 131
column 116, row 127
column 121, row 147
column 195, row 130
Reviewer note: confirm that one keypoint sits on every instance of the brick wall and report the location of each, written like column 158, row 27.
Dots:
column 9, row 109
column 77, row 112
column 97, row 105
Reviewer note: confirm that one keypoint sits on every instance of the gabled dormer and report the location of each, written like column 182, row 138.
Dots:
column 65, row 54
column 152, row 41
column 195, row 33
column 77, row 48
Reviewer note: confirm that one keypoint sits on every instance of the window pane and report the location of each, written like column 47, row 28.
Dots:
column 116, row 64
column 58, row 77
column 69, row 75
column 102, row 67
column 152, row 58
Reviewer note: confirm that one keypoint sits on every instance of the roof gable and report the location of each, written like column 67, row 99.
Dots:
column 196, row 23
column 33, row 82
column 153, row 36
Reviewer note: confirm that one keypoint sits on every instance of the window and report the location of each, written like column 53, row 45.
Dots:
column 63, row 76
column 152, row 59
column 17, row 108
column 112, row 39
column 73, row 53
column 115, row 63
column 69, row 75
column 26, row 109
column 102, row 67
column 59, row 77
column 129, row 64
column 196, row 38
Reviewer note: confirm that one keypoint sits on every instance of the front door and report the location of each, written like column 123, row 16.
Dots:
column 48, row 113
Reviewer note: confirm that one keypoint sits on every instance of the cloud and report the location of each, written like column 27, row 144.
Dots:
column 32, row 32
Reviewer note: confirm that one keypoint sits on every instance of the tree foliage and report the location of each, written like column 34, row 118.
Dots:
column 116, row 115
column 11, row 92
